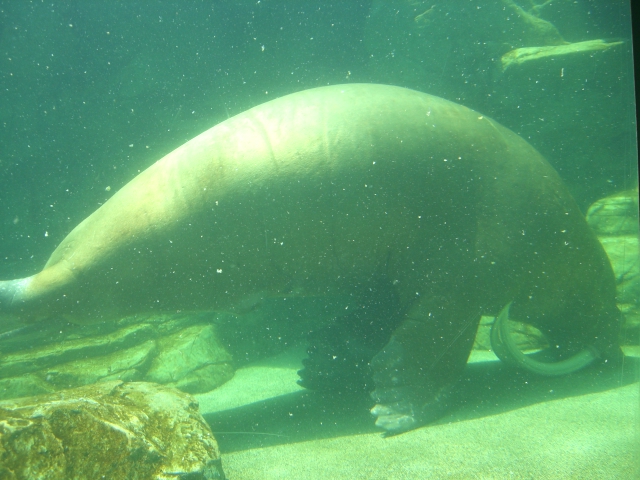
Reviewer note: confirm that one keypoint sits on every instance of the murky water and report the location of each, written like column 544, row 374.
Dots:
column 328, row 266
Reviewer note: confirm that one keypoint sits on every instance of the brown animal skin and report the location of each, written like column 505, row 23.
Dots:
column 446, row 213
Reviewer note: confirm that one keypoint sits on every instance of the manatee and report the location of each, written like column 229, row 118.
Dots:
column 427, row 213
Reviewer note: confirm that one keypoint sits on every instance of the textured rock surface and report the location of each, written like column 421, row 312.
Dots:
column 615, row 215
column 108, row 430
column 126, row 365
column 192, row 360
column 30, row 360
column 178, row 350
column 615, row 221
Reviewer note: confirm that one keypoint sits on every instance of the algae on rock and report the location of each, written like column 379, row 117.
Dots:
column 108, row 430
column 192, row 360
column 168, row 349
column 615, row 220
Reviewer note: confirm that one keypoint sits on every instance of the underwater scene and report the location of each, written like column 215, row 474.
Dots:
column 266, row 239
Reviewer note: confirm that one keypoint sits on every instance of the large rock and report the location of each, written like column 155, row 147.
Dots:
column 192, row 360
column 125, row 365
column 176, row 350
column 31, row 360
column 109, row 430
column 616, row 215
column 615, row 221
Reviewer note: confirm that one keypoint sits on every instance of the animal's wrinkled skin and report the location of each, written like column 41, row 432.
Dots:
column 441, row 212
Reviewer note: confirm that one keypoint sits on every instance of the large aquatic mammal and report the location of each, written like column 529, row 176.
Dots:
column 428, row 213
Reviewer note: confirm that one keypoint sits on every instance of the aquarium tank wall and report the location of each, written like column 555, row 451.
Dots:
column 377, row 239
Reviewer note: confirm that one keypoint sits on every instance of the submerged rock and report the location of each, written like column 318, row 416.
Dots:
column 615, row 215
column 108, row 430
column 31, row 360
column 192, row 360
column 164, row 350
column 125, row 365
column 615, row 221
column 24, row 386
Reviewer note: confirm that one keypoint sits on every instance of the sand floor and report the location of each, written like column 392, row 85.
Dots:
column 507, row 425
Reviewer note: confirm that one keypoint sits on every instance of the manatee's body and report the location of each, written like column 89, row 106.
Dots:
column 369, row 190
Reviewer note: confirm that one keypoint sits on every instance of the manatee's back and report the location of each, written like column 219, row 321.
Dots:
column 320, row 185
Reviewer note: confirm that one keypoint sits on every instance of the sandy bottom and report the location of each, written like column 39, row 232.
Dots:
column 507, row 425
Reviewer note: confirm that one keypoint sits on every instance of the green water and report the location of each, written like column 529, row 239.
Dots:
column 94, row 92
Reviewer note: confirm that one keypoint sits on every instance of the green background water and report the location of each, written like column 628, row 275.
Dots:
column 92, row 92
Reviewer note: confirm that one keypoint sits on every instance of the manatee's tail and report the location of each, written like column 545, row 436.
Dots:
column 506, row 350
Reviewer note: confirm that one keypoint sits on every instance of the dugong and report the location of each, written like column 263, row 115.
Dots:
column 427, row 213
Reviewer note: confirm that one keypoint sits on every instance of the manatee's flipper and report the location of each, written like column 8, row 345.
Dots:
column 405, row 397
column 339, row 355
column 506, row 350
column 416, row 371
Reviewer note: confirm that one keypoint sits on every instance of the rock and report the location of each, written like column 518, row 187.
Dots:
column 623, row 255
column 27, row 361
column 167, row 323
column 24, row 386
column 126, row 365
column 615, row 221
column 167, row 349
column 615, row 215
column 108, row 430
column 192, row 360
